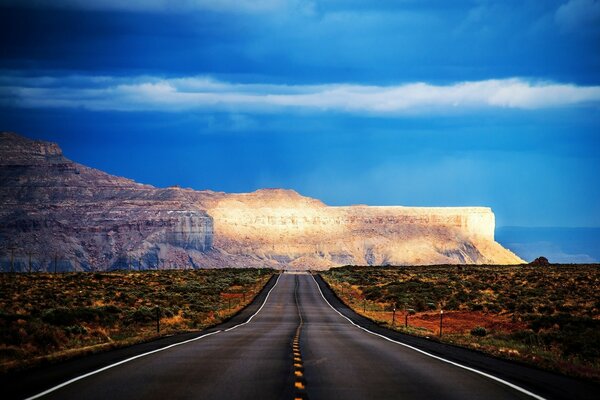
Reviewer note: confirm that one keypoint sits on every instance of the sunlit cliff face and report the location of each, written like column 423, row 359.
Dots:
column 271, row 213
column 270, row 219
column 282, row 225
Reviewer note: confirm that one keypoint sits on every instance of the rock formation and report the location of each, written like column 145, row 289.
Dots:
column 67, row 216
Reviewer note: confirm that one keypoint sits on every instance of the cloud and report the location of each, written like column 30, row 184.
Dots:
column 147, row 93
column 168, row 5
column 577, row 15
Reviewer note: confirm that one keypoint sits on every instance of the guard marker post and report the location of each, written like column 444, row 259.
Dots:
column 157, row 319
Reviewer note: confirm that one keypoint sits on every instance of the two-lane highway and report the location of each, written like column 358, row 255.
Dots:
column 262, row 359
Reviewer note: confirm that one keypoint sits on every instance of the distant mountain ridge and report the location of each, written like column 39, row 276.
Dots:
column 74, row 217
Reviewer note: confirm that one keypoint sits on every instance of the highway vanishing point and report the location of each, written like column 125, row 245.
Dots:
column 295, row 341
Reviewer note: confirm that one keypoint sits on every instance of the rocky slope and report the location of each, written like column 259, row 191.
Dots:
column 65, row 215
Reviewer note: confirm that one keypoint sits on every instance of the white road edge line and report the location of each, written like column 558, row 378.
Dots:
column 257, row 311
column 97, row 371
column 502, row 381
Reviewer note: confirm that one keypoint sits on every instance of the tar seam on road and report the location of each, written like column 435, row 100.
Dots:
column 80, row 377
column 299, row 380
column 502, row 381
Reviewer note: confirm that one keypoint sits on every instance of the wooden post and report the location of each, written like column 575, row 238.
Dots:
column 394, row 316
column 364, row 305
column 157, row 320
column 441, row 319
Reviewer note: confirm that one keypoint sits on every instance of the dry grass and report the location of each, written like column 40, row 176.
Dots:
column 55, row 316
column 544, row 315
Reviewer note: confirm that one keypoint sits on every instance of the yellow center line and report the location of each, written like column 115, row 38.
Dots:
column 299, row 383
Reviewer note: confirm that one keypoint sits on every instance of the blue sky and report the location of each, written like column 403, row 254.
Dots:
column 431, row 103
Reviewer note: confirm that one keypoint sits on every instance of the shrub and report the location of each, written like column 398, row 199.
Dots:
column 142, row 314
column 76, row 330
column 68, row 316
column 373, row 293
column 479, row 331
column 452, row 304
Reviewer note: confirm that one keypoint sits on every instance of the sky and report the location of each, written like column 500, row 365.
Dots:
column 403, row 102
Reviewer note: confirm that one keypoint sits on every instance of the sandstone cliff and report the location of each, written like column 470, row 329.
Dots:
column 60, row 213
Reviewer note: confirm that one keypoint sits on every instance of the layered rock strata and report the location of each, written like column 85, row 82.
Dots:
column 67, row 216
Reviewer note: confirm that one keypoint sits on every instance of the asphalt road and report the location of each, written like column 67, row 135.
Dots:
column 295, row 344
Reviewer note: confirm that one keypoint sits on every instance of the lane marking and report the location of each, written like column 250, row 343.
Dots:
column 97, row 371
column 257, row 311
column 492, row 377
column 78, row 378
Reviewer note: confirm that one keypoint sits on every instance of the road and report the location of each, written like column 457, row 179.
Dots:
column 294, row 345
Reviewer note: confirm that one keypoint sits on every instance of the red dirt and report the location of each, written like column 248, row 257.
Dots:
column 232, row 295
column 455, row 321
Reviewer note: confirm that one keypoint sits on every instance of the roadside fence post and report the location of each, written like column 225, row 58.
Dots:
column 157, row 319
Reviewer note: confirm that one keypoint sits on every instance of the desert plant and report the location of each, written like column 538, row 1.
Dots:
column 479, row 331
